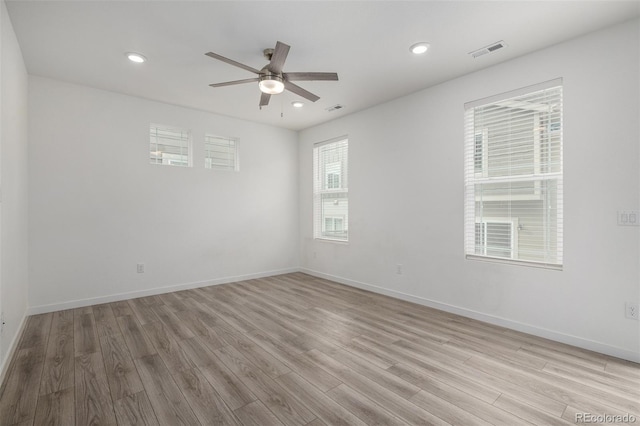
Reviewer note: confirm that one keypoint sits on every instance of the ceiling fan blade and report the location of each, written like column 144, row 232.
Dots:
column 232, row 62
column 300, row 91
column 264, row 99
column 232, row 83
column 310, row 76
column 279, row 56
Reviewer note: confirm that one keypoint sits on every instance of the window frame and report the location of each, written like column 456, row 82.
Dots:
column 544, row 178
column 324, row 186
column 171, row 158
column 236, row 151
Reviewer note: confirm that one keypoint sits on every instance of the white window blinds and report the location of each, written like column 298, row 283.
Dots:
column 220, row 153
column 170, row 146
column 330, row 190
column 513, row 176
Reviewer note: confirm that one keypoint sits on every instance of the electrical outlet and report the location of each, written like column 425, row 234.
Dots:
column 140, row 268
column 399, row 269
column 631, row 310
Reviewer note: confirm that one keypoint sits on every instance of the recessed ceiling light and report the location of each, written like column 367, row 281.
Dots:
column 419, row 48
column 297, row 104
column 136, row 57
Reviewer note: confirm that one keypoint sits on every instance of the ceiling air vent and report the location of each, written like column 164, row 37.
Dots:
column 335, row 107
column 488, row 49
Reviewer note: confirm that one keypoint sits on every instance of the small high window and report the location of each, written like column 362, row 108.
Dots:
column 220, row 153
column 170, row 146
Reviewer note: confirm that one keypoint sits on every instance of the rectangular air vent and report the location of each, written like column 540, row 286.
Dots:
column 488, row 49
column 335, row 107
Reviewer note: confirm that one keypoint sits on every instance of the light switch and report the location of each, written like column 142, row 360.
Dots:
column 628, row 218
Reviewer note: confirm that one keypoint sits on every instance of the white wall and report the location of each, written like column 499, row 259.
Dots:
column 13, row 177
column 97, row 207
column 406, row 199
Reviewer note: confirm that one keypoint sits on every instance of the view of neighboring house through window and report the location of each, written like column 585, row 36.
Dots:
column 513, row 176
column 170, row 146
column 330, row 190
column 220, row 153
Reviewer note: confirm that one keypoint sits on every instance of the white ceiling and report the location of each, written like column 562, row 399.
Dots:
column 365, row 42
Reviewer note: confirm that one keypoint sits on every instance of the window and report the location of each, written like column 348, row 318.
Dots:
column 220, row 153
column 330, row 190
column 333, row 173
column 334, row 227
column 496, row 237
column 513, row 176
column 170, row 146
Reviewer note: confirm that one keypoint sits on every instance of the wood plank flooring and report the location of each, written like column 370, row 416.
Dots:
column 298, row 350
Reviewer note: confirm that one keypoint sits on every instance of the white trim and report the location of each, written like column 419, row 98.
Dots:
column 491, row 319
column 80, row 303
column 13, row 346
column 520, row 178
column 332, row 140
column 330, row 241
column 515, row 262
column 568, row 339
column 513, row 93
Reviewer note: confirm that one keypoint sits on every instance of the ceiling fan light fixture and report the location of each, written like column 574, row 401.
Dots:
column 136, row 57
column 271, row 84
column 419, row 48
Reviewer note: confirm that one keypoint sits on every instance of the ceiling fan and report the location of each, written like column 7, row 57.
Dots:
column 271, row 79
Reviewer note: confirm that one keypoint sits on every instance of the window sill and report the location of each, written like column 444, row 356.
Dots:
column 530, row 264
column 331, row 240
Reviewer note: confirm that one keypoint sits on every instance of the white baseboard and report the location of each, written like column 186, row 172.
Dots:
column 13, row 346
column 491, row 319
column 80, row 303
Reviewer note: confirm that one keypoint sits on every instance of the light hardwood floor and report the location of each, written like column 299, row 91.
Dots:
column 298, row 350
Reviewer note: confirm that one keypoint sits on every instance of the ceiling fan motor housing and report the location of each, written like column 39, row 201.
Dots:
column 268, row 53
column 266, row 73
